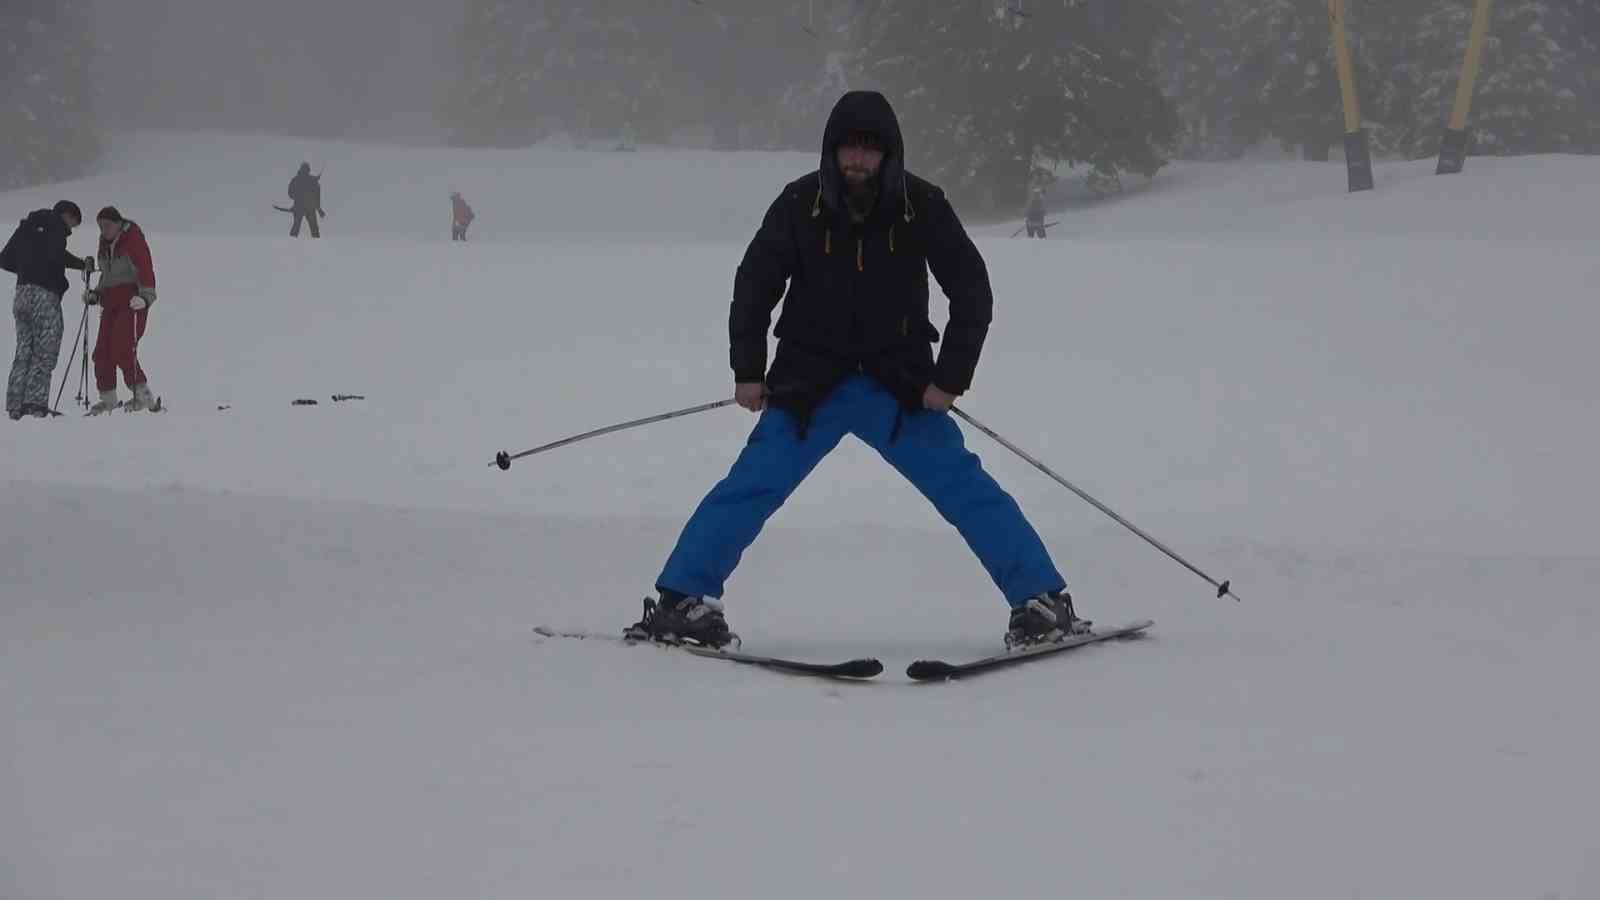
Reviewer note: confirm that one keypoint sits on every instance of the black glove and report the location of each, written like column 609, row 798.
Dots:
column 91, row 298
column 88, row 266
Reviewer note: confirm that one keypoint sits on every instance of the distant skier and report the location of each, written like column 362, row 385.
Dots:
column 37, row 253
column 305, row 193
column 125, row 294
column 1034, row 217
column 628, row 139
column 848, row 249
column 461, row 216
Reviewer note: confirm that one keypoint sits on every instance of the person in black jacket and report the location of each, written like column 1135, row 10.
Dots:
column 37, row 253
column 848, row 249
column 305, row 193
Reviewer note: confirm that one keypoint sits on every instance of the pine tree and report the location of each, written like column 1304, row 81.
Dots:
column 1538, row 88
column 45, row 92
column 1294, row 81
column 1199, row 66
column 532, row 68
column 993, row 95
column 542, row 66
column 1536, row 93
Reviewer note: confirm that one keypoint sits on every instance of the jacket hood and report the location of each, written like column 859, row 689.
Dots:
column 863, row 111
column 129, row 226
column 48, row 219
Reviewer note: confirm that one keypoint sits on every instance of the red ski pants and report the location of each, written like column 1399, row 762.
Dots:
column 117, row 347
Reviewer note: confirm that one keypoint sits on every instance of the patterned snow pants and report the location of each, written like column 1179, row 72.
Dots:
column 38, row 315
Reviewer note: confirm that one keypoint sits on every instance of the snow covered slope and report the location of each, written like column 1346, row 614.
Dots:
column 278, row 651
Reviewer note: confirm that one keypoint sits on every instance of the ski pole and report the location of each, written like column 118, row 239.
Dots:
column 83, row 370
column 83, row 380
column 82, row 322
column 503, row 459
column 74, row 345
column 1222, row 587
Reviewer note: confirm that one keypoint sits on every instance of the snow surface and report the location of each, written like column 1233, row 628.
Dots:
column 286, row 652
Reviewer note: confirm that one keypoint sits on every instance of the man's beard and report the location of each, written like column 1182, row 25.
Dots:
column 861, row 196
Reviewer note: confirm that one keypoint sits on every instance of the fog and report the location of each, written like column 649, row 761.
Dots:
column 315, row 68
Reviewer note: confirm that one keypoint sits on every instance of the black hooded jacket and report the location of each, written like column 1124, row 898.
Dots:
column 305, row 190
column 38, row 253
column 857, row 292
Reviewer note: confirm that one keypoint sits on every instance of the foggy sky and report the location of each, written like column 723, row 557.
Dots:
column 359, row 69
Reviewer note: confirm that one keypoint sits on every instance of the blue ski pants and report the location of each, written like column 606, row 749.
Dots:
column 925, row 447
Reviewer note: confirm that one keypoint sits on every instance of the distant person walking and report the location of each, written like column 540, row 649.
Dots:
column 1033, row 218
column 461, row 216
column 305, row 193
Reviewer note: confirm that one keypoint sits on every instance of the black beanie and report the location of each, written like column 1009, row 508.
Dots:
column 66, row 207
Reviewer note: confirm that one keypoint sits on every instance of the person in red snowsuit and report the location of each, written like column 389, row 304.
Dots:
column 127, row 290
column 461, row 216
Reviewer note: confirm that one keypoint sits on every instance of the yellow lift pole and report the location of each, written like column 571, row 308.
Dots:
column 1357, row 154
column 1453, row 148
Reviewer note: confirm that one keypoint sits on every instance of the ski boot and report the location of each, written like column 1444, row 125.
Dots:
column 677, row 619
column 107, row 402
column 1044, row 619
column 142, row 400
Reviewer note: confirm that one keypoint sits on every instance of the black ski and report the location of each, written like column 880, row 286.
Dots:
column 853, row 668
column 939, row 670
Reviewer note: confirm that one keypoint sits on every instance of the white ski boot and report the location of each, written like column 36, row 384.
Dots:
column 142, row 400
column 108, row 402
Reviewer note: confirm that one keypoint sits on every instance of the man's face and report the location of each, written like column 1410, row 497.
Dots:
column 858, row 163
column 109, row 229
column 71, row 220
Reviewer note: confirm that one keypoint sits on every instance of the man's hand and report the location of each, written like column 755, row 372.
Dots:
column 937, row 400
column 751, row 395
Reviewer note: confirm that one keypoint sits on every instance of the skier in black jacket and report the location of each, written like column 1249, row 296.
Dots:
column 848, row 249
column 305, row 191
column 37, row 252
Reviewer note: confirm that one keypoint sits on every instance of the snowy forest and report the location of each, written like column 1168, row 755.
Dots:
column 46, row 94
column 995, row 95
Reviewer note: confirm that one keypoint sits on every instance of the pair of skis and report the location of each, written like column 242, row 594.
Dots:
column 858, row 669
column 156, row 407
